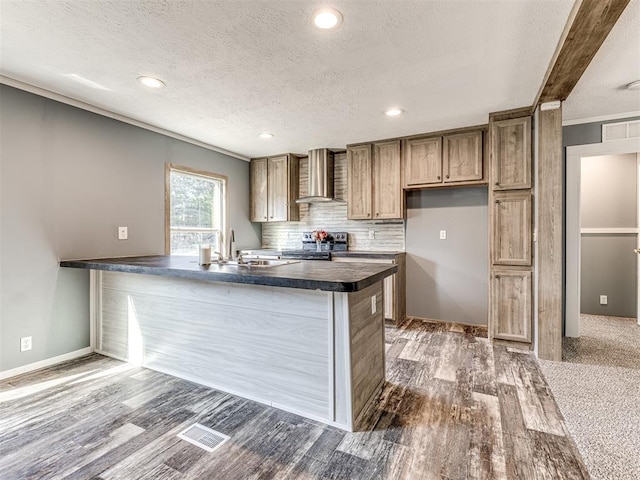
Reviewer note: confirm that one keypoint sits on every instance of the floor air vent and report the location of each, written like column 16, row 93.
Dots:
column 203, row 437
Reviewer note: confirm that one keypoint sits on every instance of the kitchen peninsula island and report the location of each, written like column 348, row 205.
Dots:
column 306, row 337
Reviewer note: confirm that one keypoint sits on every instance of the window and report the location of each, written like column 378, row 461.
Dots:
column 195, row 210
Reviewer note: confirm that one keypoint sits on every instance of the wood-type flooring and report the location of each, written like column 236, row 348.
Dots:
column 454, row 407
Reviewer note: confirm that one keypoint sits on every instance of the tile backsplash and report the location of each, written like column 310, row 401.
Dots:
column 389, row 234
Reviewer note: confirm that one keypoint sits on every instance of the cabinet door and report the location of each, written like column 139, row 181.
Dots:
column 462, row 157
column 511, row 243
column 422, row 161
column 359, row 182
column 511, row 305
column 387, row 186
column 258, row 174
column 278, row 188
column 511, row 154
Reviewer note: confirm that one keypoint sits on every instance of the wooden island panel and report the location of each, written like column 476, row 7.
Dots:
column 367, row 353
column 315, row 353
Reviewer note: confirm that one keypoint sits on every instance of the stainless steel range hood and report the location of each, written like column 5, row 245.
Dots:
column 320, row 177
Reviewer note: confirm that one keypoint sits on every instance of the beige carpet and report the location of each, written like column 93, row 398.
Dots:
column 598, row 390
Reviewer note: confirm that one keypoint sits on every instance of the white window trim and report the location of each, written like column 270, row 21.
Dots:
column 167, row 202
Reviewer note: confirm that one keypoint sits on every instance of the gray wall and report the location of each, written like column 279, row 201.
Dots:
column 608, row 264
column 608, row 195
column 68, row 178
column 448, row 279
column 608, row 268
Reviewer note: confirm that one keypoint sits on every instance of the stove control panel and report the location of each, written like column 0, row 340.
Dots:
column 334, row 237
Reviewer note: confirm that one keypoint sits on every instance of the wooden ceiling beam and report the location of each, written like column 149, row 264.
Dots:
column 589, row 23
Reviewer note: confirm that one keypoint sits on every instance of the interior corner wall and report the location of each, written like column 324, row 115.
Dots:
column 68, row 179
column 448, row 279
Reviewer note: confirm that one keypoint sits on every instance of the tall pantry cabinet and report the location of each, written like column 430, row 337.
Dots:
column 511, row 204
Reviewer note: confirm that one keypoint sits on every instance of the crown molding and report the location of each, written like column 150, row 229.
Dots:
column 12, row 82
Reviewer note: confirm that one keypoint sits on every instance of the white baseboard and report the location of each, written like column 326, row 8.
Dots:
column 107, row 354
column 45, row 363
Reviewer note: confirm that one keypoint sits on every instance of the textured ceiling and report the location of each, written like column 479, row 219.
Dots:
column 236, row 68
column 602, row 88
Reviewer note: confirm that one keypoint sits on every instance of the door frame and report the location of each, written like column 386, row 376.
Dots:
column 572, row 222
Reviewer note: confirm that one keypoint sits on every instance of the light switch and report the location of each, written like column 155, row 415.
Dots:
column 123, row 233
column 443, row 234
column 603, row 299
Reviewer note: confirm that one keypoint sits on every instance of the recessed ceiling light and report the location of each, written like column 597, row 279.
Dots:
column 327, row 18
column 393, row 112
column 634, row 85
column 151, row 82
column 266, row 135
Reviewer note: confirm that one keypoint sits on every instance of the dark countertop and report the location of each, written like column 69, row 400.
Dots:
column 310, row 275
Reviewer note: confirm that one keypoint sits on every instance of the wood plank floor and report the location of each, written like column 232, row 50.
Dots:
column 454, row 407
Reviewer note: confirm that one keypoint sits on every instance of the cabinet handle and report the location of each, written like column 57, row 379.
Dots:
column 446, row 176
column 497, row 201
column 271, row 216
column 378, row 214
column 497, row 276
column 438, row 177
column 497, row 183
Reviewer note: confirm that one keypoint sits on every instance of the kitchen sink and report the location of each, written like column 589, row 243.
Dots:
column 256, row 263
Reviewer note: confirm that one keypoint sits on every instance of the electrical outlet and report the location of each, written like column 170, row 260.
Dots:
column 25, row 344
column 443, row 234
column 603, row 299
column 372, row 234
column 373, row 304
column 123, row 233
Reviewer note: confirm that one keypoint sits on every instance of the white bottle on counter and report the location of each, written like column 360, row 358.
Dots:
column 205, row 255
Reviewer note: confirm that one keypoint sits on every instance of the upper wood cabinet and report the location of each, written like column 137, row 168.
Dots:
column 374, row 182
column 511, row 243
column 511, row 154
column 511, row 300
column 387, row 183
column 462, row 157
column 449, row 159
column 359, row 199
column 274, row 189
column 258, row 192
column 422, row 161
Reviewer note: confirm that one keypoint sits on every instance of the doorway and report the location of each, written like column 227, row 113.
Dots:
column 596, row 235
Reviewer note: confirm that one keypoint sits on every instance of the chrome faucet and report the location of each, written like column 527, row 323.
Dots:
column 231, row 244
